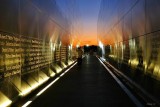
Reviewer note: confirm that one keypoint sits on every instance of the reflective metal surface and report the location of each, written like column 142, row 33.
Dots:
column 34, row 36
column 131, row 28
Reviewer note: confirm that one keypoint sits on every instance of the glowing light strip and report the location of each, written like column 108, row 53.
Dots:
column 62, row 74
column 47, row 87
column 131, row 96
column 53, row 81
column 134, row 83
column 33, row 98
column 67, row 70
column 27, row 103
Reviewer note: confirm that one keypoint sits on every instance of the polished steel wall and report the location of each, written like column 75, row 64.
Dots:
column 131, row 29
column 34, row 45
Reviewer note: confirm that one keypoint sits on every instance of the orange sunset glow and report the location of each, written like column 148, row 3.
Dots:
column 83, row 27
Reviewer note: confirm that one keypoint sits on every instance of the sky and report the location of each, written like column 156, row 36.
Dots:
column 87, row 12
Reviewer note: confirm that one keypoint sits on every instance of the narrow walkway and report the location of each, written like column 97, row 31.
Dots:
column 88, row 85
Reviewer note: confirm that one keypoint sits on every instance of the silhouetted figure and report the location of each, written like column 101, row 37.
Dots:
column 80, row 53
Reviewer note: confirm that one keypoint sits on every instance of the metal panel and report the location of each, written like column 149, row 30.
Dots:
column 29, row 33
column 152, row 15
column 28, row 19
column 153, row 56
column 9, row 15
column 138, row 19
column 127, row 31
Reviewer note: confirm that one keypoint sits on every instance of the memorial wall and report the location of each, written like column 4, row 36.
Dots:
column 131, row 29
column 33, row 46
column 21, row 55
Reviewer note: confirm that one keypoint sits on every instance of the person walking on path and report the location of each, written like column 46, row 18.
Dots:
column 80, row 53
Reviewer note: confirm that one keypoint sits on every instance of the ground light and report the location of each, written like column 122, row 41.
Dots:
column 44, row 89
column 4, row 100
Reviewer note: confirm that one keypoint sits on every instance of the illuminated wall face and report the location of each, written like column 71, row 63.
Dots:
column 31, row 40
column 131, row 28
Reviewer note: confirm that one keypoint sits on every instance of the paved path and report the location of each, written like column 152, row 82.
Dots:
column 88, row 85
